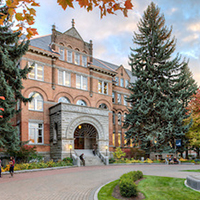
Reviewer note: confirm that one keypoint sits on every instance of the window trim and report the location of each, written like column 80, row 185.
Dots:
column 36, row 136
column 69, row 52
column 102, row 87
column 62, row 56
column 81, row 82
column 35, row 102
column 63, row 78
column 84, row 56
column 77, row 58
column 35, row 72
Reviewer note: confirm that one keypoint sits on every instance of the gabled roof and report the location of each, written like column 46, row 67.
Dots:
column 73, row 33
column 110, row 66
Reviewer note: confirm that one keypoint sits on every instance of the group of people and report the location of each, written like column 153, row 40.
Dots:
column 172, row 160
column 11, row 166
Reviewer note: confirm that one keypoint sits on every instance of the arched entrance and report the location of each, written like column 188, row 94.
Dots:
column 85, row 136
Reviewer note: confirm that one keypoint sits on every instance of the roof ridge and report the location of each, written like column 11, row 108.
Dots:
column 104, row 64
column 40, row 36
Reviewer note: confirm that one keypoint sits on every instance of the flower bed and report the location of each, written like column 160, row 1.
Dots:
column 38, row 165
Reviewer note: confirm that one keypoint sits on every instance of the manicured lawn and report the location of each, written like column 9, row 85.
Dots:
column 192, row 170
column 164, row 188
column 156, row 188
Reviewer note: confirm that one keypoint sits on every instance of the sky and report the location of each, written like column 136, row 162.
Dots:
column 112, row 35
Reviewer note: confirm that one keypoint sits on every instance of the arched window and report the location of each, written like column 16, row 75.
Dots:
column 81, row 103
column 103, row 106
column 119, row 116
column 64, row 100
column 36, row 103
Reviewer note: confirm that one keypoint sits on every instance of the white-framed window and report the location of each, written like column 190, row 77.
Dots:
column 113, row 115
column 122, row 82
column 125, row 102
column 119, row 118
column 62, row 53
column 119, row 98
column 36, row 103
column 117, row 80
column 81, row 82
column 64, row 100
column 103, row 106
column 84, row 61
column 126, row 83
column 113, row 97
column 81, row 103
column 77, row 58
column 37, row 72
column 69, row 56
column 102, row 87
column 35, row 133
column 64, row 78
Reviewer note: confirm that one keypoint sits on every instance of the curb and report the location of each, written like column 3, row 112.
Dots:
column 97, row 191
column 41, row 169
column 185, row 182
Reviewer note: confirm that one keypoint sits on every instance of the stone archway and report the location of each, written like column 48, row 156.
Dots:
column 85, row 136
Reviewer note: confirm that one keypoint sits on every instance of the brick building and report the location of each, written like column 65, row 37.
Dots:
column 79, row 101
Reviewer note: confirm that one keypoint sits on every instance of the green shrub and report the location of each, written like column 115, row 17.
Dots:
column 68, row 160
column 127, row 187
column 111, row 160
column 119, row 153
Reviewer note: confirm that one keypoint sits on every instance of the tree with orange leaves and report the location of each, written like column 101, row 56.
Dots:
column 2, row 109
column 11, row 76
column 23, row 12
column 194, row 132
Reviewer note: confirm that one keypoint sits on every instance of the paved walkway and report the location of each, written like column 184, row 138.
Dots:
column 77, row 183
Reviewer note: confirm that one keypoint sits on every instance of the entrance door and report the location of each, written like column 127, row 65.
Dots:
column 85, row 136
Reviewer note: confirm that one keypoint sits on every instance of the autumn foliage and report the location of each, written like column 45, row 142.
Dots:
column 23, row 12
column 2, row 109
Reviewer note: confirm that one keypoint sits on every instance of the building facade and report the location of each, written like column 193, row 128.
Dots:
column 78, row 101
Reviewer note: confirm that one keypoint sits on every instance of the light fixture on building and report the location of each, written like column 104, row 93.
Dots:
column 106, row 147
column 79, row 126
column 70, row 148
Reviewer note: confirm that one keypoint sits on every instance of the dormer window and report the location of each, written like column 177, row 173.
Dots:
column 69, row 56
column 62, row 53
column 77, row 58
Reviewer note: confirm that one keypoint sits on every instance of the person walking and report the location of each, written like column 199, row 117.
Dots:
column 12, row 164
column 82, row 159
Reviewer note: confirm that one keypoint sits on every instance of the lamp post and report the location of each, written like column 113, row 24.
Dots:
column 70, row 148
column 155, row 142
column 106, row 147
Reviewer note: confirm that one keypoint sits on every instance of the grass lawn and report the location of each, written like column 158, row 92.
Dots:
column 156, row 188
column 106, row 191
column 192, row 170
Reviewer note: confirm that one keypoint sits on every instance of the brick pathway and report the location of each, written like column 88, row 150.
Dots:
column 76, row 183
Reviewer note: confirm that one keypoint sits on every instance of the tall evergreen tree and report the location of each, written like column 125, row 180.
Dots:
column 10, row 82
column 162, row 89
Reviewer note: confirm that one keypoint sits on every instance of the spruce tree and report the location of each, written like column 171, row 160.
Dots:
column 11, row 50
column 163, row 87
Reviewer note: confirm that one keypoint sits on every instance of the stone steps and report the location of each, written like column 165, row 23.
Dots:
column 90, row 159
